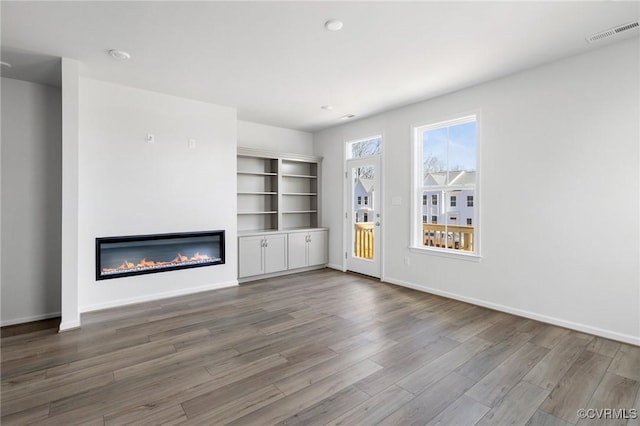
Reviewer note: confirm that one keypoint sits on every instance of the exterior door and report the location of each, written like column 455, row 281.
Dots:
column 364, row 224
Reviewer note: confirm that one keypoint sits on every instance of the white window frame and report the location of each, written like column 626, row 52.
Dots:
column 417, row 188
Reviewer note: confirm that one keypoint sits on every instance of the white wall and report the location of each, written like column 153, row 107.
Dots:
column 70, row 315
column 31, row 201
column 559, row 144
column 279, row 139
column 129, row 187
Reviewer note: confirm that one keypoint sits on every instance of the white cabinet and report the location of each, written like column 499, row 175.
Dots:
column 262, row 254
column 307, row 249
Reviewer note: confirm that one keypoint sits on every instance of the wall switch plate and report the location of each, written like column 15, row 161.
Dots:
column 407, row 260
column 192, row 143
column 150, row 138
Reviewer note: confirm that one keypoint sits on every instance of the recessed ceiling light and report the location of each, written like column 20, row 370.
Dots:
column 5, row 65
column 327, row 107
column 119, row 54
column 348, row 117
column 333, row 25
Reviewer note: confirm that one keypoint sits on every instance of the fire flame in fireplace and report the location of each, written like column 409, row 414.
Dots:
column 144, row 263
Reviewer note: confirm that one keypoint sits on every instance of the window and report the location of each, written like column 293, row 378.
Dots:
column 424, row 218
column 424, row 200
column 366, row 218
column 364, row 147
column 445, row 158
column 366, row 200
column 359, row 200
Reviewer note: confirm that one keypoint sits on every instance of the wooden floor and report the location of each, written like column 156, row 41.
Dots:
column 317, row 348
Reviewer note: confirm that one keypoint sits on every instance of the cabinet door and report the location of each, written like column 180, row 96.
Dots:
column 317, row 248
column 250, row 259
column 297, row 250
column 275, row 253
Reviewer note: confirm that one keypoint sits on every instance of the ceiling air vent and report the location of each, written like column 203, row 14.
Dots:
column 613, row 31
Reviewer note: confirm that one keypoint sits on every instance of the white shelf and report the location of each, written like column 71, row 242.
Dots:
column 257, row 173
column 300, row 193
column 257, row 193
column 300, row 176
column 246, row 213
column 300, row 211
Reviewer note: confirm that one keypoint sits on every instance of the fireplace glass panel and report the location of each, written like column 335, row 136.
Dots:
column 144, row 254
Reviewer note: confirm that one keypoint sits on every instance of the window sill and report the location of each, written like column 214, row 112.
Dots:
column 469, row 257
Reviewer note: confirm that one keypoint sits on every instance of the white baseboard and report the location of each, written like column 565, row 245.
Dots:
column 279, row 274
column 608, row 334
column 156, row 296
column 69, row 325
column 336, row 267
column 31, row 318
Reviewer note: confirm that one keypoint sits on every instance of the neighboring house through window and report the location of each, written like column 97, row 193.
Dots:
column 445, row 158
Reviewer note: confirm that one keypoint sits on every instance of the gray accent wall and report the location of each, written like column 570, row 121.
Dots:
column 31, row 201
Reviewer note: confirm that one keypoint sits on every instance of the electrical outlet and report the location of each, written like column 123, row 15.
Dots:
column 407, row 260
column 192, row 143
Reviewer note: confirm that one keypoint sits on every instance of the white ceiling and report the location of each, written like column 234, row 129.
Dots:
column 276, row 64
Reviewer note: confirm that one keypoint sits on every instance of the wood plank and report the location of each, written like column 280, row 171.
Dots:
column 194, row 356
column 381, row 380
column 495, row 385
column 200, row 399
column 236, row 408
column 32, row 400
column 30, row 415
column 626, row 363
column 604, row 347
column 463, row 412
column 577, row 386
column 548, row 372
column 540, row 418
column 374, row 409
column 328, row 409
column 431, row 402
column 517, row 407
column 148, row 415
column 616, row 393
column 549, row 336
column 316, row 373
column 426, row 376
column 483, row 362
column 310, row 395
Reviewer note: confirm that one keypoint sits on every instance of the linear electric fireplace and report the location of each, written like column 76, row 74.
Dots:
column 146, row 254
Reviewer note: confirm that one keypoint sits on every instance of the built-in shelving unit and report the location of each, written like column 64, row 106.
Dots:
column 277, row 191
column 278, row 214
column 257, row 192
